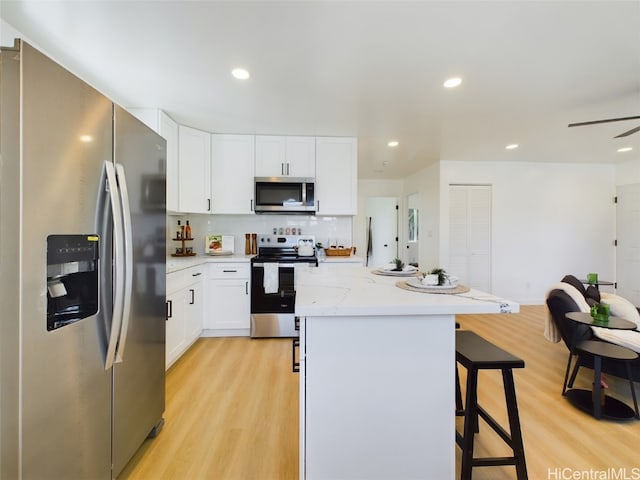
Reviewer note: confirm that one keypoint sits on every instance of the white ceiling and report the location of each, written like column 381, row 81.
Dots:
column 371, row 69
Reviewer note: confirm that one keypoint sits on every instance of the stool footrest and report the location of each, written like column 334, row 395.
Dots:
column 494, row 461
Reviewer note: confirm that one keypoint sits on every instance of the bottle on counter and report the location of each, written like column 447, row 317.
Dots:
column 179, row 232
column 247, row 244
column 187, row 230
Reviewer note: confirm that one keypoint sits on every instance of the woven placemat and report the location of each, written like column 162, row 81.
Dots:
column 449, row 291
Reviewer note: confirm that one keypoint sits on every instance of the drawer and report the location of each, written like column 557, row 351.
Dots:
column 229, row 270
column 182, row 278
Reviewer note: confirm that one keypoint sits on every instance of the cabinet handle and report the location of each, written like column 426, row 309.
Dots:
column 295, row 366
column 208, row 204
column 318, row 207
column 169, row 309
column 229, row 271
column 287, row 168
column 193, row 296
column 282, row 169
column 246, row 288
column 251, row 203
column 196, row 274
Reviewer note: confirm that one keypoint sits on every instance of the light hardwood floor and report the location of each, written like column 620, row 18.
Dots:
column 232, row 412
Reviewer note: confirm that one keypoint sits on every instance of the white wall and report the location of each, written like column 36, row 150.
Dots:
column 628, row 172
column 548, row 220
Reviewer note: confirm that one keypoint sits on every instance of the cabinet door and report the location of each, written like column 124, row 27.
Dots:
column 270, row 156
column 336, row 175
column 300, row 157
column 194, row 172
column 169, row 130
column 232, row 173
column 195, row 312
column 229, row 304
column 175, row 326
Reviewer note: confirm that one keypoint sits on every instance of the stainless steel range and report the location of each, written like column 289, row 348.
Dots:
column 273, row 276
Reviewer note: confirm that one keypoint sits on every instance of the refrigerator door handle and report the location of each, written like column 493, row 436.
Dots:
column 118, row 300
column 128, row 260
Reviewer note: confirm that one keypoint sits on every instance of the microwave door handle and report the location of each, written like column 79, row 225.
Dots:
column 111, row 186
column 128, row 260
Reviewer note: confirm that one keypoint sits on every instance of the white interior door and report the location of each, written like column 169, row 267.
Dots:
column 470, row 235
column 628, row 249
column 382, row 218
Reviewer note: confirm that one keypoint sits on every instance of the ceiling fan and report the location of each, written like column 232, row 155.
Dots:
column 620, row 119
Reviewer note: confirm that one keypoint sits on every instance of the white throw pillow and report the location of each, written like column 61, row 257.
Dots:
column 621, row 307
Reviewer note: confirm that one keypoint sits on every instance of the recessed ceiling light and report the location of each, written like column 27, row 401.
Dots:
column 393, row 143
column 625, row 149
column 512, row 146
column 452, row 82
column 240, row 73
column 86, row 138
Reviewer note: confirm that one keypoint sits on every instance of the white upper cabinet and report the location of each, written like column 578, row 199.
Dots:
column 169, row 130
column 336, row 176
column 163, row 124
column 232, row 173
column 285, row 156
column 194, row 173
column 300, row 156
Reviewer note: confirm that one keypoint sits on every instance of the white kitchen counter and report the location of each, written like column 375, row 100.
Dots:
column 327, row 291
column 339, row 259
column 377, row 371
column 178, row 263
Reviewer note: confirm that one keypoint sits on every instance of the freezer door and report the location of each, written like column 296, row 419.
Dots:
column 139, row 388
column 66, row 129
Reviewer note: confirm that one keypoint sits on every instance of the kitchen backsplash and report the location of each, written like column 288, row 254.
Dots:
column 338, row 230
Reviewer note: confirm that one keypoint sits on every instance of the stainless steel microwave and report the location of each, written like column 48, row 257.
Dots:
column 284, row 195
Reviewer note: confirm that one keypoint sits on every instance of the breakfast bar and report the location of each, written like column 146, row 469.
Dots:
column 377, row 373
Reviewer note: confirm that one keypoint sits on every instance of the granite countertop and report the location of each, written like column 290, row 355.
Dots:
column 329, row 290
column 178, row 263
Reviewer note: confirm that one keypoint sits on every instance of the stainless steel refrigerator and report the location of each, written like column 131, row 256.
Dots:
column 82, row 275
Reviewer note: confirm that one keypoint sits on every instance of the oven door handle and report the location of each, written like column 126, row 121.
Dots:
column 284, row 265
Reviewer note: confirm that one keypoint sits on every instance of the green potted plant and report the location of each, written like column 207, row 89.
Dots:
column 437, row 276
column 399, row 265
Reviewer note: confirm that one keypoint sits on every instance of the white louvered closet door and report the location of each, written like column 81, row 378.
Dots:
column 470, row 235
column 628, row 236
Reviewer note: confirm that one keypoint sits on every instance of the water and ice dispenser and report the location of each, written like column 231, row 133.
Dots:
column 72, row 279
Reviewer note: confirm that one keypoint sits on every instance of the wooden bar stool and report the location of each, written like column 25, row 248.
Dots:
column 475, row 353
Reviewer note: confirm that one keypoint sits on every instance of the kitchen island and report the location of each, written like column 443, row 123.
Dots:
column 377, row 375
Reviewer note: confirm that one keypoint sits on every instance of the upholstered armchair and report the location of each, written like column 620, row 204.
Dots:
column 564, row 299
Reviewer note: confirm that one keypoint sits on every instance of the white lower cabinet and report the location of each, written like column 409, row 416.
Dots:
column 228, row 294
column 185, row 308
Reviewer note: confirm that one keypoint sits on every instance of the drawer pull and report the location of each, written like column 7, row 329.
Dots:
column 196, row 274
column 230, row 271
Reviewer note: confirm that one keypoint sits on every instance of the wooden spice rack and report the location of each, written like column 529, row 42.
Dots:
column 183, row 249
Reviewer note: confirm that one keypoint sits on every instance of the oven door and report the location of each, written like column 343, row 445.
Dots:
column 272, row 314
